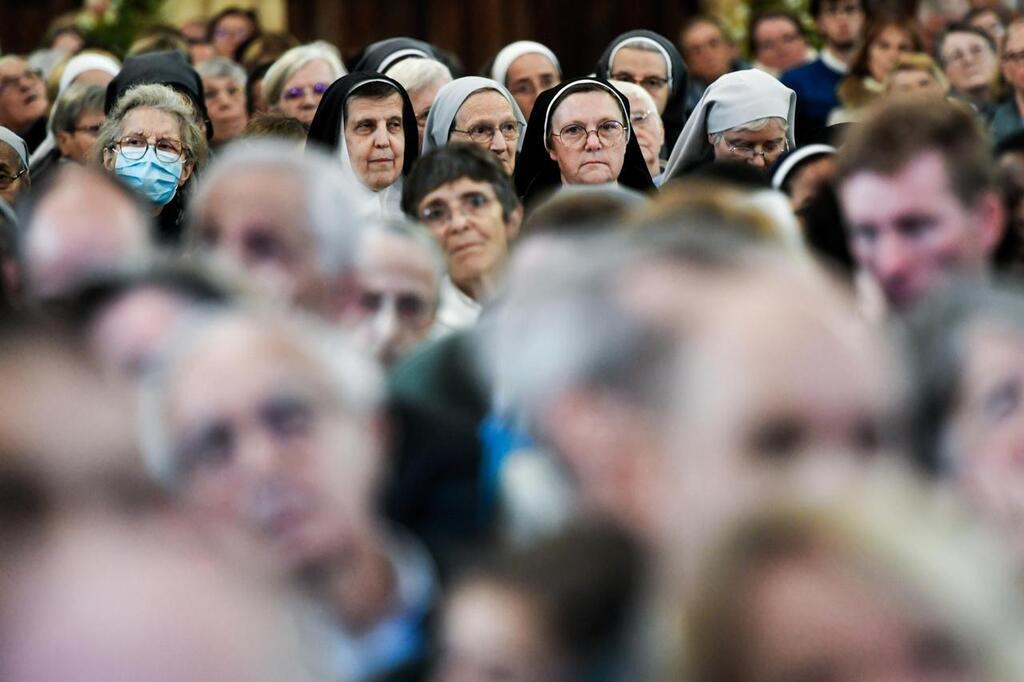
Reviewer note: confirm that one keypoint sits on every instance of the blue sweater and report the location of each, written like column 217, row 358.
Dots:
column 815, row 87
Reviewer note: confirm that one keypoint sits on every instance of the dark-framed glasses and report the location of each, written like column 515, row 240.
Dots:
column 133, row 148
column 300, row 91
column 437, row 214
column 8, row 180
column 648, row 83
column 483, row 134
column 576, row 134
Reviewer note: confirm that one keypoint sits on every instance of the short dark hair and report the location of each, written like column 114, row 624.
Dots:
column 767, row 16
column 453, row 162
column 960, row 27
column 371, row 90
column 817, row 6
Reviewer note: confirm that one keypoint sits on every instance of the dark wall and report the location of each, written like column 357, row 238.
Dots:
column 23, row 22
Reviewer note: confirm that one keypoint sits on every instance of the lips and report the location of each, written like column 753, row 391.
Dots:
column 463, row 248
column 384, row 160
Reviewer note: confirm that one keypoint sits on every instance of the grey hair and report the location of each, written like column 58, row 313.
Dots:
column 76, row 100
column 165, row 99
column 222, row 67
column 293, row 60
column 318, row 176
column 756, row 125
column 416, row 74
column 414, row 232
column 628, row 89
column 352, row 377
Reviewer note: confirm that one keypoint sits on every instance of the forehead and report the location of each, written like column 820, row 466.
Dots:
column 268, row 197
column 12, row 66
column 595, row 104
column 370, row 107
column 451, row 191
column 962, row 40
column 8, row 155
column 775, row 26
column 530, row 64
column 489, row 103
column 645, row 60
column 313, row 71
column 384, row 254
column 151, row 121
column 772, row 131
column 921, row 186
column 220, row 81
column 701, row 31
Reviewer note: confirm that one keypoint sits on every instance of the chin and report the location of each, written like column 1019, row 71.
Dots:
column 596, row 178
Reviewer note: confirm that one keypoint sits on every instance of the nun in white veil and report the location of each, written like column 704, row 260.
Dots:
column 736, row 100
column 444, row 111
column 526, row 90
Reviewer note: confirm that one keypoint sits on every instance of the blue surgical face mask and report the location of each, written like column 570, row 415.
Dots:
column 156, row 179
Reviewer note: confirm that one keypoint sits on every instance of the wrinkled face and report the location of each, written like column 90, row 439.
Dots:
column 225, row 102
column 304, row 89
column 759, row 148
column 78, row 145
column 649, row 131
column 466, row 218
column 486, row 112
column 393, row 308
column 375, row 136
column 990, row 23
column 816, row 617
column 230, row 33
column 646, row 69
column 840, row 23
column 422, row 100
column 22, row 95
column 263, row 445
column 911, row 232
column 986, row 438
column 968, row 61
column 1013, row 59
column 780, row 44
column 527, row 77
column 885, row 51
column 155, row 127
column 915, row 84
column 598, row 156
column 492, row 634
column 11, row 167
column 258, row 223
column 707, row 52
column 809, row 179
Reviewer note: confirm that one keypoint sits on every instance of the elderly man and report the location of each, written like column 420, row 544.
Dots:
column 970, row 60
column 477, row 110
column 224, row 91
column 839, row 22
column 15, row 178
column 83, row 223
column 398, row 271
column 916, row 186
column 421, row 78
column 744, row 116
column 777, row 42
column 280, row 217
column 23, row 101
column 270, row 425
column 1007, row 118
column 464, row 197
column 709, row 53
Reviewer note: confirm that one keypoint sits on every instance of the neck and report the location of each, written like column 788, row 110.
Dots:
column 360, row 589
column 979, row 95
column 478, row 288
column 843, row 53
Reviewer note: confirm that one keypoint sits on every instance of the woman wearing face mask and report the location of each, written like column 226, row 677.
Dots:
column 152, row 141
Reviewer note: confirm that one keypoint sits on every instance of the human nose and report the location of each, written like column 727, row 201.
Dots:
column 380, row 137
column 758, row 159
column 593, row 142
column 385, row 328
column 498, row 142
column 891, row 259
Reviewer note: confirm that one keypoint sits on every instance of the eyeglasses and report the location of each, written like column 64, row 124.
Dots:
column 8, row 180
column 483, row 134
column 238, row 33
column 973, row 52
column 640, row 118
column 649, row 83
column 88, row 130
column 748, row 151
column 438, row 214
column 13, row 81
column 133, row 148
column 576, row 135
column 300, row 90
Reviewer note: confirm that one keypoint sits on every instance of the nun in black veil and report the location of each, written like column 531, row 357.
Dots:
column 579, row 133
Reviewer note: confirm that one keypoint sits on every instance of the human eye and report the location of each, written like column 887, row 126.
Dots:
column 573, row 130
column 653, row 82
column 410, row 306
column 169, row 146
column 394, row 125
column 777, row 439
column 211, row 447
column 288, row 416
column 624, row 77
column 744, row 147
column 482, row 131
column 865, row 234
column 365, row 127
column 1003, row 401
column 293, row 93
column 609, row 127
column 261, row 246
column 434, row 213
column 508, row 128
column 132, row 141
column 475, row 200
column 211, row 93
column 370, row 301
column 915, row 226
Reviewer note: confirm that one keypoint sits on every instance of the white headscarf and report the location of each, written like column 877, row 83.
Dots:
column 450, row 99
column 513, row 51
column 75, row 67
column 15, row 142
column 731, row 101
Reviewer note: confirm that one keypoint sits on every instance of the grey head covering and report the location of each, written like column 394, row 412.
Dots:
column 450, row 99
column 15, row 142
column 731, row 101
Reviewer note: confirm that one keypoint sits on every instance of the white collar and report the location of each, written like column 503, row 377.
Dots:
column 833, row 62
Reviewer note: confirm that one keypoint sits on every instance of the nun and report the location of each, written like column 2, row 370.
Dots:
column 15, row 178
column 651, row 61
column 580, row 134
column 744, row 116
column 366, row 119
column 480, row 111
column 526, row 68
column 380, row 56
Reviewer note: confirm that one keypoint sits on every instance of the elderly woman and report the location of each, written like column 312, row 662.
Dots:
column 527, row 69
column 477, row 110
column 421, row 78
column 224, row 90
column 153, row 142
column 297, row 81
column 14, row 175
column 580, row 134
column 649, row 129
column 744, row 116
